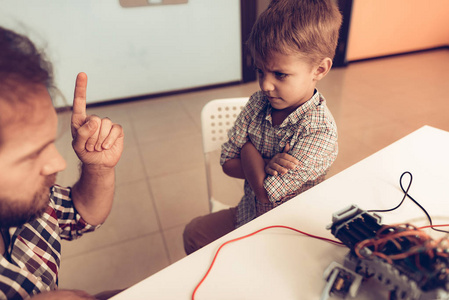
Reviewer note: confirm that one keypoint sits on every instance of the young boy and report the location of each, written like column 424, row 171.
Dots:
column 285, row 139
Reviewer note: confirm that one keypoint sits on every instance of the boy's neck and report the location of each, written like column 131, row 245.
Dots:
column 278, row 116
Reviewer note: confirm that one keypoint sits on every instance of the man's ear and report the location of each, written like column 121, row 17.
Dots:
column 323, row 68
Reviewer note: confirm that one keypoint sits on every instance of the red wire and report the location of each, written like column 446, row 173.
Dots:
column 251, row 234
column 430, row 226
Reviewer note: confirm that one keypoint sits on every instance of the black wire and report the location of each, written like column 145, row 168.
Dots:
column 403, row 198
column 406, row 194
column 419, row 205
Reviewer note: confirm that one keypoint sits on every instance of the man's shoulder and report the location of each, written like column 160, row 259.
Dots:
column 61, row 192
column 61, row 202
column 60, row 196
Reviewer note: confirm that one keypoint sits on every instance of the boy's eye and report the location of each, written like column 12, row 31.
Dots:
column 280, row 75
column 259, row 71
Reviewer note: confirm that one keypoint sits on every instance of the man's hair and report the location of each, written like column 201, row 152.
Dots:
column 309, row 28
column 22, row 68
column 21, row 62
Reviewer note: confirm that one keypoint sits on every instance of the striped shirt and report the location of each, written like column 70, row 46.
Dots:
column 312, row 134
column 31, row 262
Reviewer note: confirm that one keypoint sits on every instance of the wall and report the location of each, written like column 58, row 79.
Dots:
column 262, row 5
column 385, row 27
column 129, row 52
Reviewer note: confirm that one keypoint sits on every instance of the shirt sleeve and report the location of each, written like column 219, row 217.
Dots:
column 316, row 150
column 238, row 134
column 71, row 224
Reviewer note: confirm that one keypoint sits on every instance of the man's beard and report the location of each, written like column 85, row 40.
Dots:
column 16, row 212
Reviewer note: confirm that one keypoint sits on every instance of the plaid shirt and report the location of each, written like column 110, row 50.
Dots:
column 312, row 134
column 31, row 262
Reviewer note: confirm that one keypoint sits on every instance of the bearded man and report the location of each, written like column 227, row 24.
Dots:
column 34, row 212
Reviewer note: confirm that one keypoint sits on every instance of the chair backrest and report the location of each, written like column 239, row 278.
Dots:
column 217, row 117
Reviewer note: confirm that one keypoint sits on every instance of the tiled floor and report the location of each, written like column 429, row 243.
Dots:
column 161, row 182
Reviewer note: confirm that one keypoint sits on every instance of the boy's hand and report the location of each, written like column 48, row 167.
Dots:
column 97, row 142
column 281, row 163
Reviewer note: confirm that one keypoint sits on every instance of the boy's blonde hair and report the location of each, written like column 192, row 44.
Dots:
column 308, row 28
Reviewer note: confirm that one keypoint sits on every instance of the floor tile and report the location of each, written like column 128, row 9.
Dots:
column 168, row 156
column 118, row 113
column 180, row 197
column 225, row 189
column 175, row 246
column 130, row 167
column 133, row 215
column 194, row 102
column 115, row 267
column 158, row 119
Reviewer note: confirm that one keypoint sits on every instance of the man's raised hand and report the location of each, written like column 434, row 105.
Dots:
column 96, row 141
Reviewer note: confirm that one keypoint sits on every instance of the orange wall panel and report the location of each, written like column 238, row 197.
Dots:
column 385, row 27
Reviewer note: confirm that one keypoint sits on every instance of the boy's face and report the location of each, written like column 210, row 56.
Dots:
column 287, row 80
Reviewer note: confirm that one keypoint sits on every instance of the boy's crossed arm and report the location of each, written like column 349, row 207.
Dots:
column 254, row 168
column 281, row 162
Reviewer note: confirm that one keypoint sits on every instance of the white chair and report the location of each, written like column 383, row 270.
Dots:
column 217, row 117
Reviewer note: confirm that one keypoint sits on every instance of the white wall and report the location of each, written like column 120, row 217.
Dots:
column 130, row 52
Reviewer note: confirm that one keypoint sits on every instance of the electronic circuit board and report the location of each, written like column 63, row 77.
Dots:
column 404, row 259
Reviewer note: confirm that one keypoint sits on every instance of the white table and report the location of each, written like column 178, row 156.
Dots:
column 282, row 264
